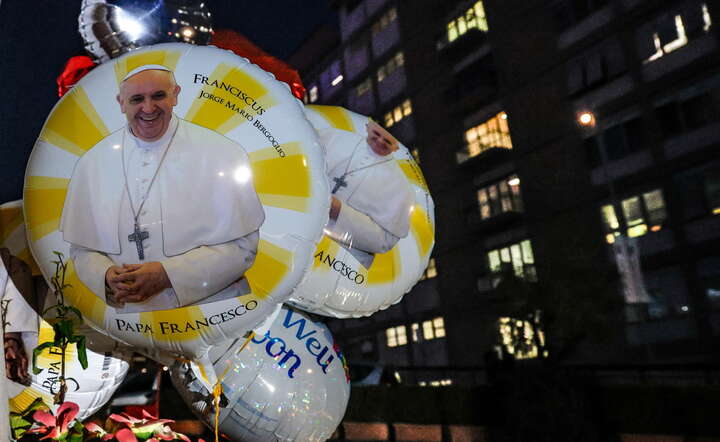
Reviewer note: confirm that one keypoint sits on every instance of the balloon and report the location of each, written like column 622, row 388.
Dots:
column 266, row 168
column 90, row 388
column 111, row 28
column 107, row 366
column 234, row 41
column 289, row 384
column 380, row 244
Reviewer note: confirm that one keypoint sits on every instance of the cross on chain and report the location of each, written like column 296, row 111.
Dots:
column 339, row 182
column 138, row 236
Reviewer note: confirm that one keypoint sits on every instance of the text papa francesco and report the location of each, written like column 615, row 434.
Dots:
column 169, row 328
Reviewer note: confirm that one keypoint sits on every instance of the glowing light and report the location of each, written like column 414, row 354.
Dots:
column 143, row 370
column 129, row 25
column 503, row 115
column 116, row 146
column 716, row 211
column 586, row 118
column 706, row 18
column 684, row 308
column 165, row 368
column 242, row 174
column 221, row 173
column 337, row 80
column 655, row 228
column 514, row 182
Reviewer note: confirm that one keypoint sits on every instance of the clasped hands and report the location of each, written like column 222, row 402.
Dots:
column 136, row 282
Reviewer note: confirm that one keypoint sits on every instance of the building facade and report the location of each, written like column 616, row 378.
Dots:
column 571, row 148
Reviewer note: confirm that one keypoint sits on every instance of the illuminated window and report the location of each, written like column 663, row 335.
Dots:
column 434, row 329
column 431, row 329
column 473, row 18
column 519, row 339
column 313, row 93
column 388, row 68
column 671, row 31
column 396, row 336
column 500, row 198
column 398, row 113
column 641, row 214
column 384, row 21
column 363, row 87
column 414, row 329
column 493, row 133
column 430, row 271
column 519, row 257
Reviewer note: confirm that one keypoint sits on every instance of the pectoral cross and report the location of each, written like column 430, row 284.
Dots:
column 138, row 236
column 339, row 182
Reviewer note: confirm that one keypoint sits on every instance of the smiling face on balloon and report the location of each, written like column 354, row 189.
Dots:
column 380, row 141
column 147, row 99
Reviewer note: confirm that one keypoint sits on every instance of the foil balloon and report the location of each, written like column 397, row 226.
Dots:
column 111, row 28
column 225, row 211
column 289, row 384
column 89, row 388
column 381, row 227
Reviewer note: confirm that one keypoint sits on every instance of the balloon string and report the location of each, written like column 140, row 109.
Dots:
column 217, row 390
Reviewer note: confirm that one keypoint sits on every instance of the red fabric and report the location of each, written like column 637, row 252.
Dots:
column 75, row 69
column 233, row 41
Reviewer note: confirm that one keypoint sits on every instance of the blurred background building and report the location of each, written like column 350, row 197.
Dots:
column 571, row 149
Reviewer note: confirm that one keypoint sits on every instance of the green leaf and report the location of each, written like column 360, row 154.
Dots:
column 74, row 310
column 82, row 352
column 36, row 352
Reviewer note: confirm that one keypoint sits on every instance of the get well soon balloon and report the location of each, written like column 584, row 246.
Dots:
column 130, row 170
column 290, row 384
column 381, row 230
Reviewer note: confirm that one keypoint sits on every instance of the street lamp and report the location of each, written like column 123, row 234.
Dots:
column 586, row 119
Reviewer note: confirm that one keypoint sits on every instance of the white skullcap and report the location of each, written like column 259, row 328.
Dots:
column 146, row 67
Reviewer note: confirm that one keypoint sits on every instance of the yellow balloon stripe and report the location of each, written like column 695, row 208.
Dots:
column 52, row 355
column 335, row 115
column 413, row 173
column 44, row 200
column 181, row 324
column 12, row 235
column 268, row 153
column 74, row 125
column 293, row 191
column 26, row 397
column 422, row 229
column 27, row 257
column 271, row 265
column 385, row 267
column 10, row 219
column 240, row 96
column 81, row 297
column 326, row 246
column 169, row 59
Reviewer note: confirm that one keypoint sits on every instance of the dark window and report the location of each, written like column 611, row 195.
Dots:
column 677, row 117
column 669, row 118
column 592, row 153
column 700, row 110
column 614, row 142
column 570, row 12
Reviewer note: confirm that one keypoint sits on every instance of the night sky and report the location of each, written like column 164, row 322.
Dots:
column 37, row 37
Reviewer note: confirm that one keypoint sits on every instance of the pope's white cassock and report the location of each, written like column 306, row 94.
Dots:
column 376, row 196
column 202, row 213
